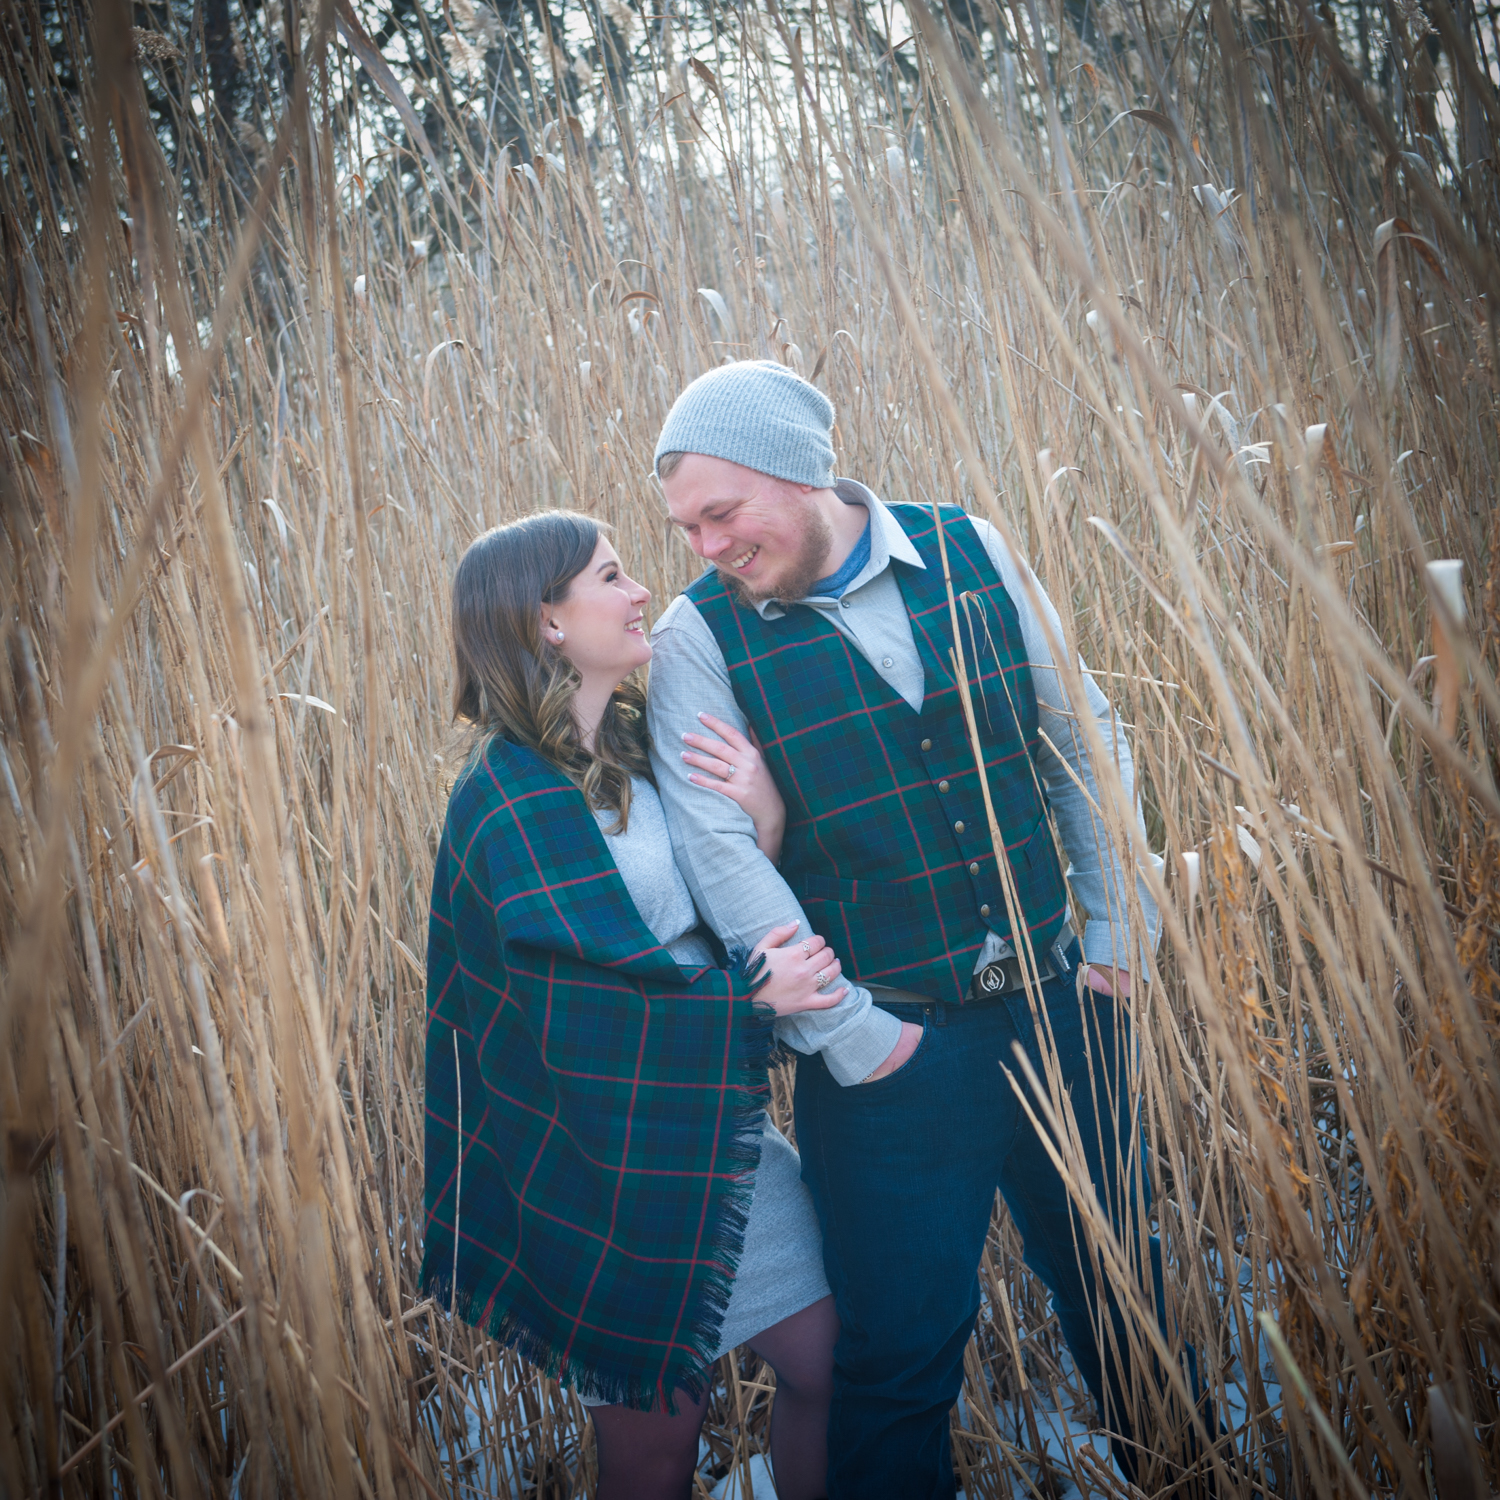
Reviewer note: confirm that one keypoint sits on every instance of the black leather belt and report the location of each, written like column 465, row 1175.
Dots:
column 1003, row 976
column 990, row 983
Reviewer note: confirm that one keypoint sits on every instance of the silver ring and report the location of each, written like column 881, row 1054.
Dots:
column 822, row 977
column 730, row 772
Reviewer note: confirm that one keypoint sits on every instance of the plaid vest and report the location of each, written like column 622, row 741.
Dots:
column 886, row 842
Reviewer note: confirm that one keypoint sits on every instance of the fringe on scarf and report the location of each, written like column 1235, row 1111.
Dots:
column 739, row 1152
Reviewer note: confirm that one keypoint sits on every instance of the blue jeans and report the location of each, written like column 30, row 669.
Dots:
column 903, row 1173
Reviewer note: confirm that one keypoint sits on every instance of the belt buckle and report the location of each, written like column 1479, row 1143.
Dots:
column 992, row 980
column 1003, row 976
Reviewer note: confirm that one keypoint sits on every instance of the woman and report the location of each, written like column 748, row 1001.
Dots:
column 603, row 1189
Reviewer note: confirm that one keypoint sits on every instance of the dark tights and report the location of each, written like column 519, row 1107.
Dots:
column 649, row 1455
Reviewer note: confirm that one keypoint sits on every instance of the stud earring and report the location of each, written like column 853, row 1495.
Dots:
column 559, row 637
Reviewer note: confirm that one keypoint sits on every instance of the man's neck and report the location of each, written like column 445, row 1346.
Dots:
column 847, row 523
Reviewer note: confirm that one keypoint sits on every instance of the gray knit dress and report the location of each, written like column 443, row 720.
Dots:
column 781, row 1265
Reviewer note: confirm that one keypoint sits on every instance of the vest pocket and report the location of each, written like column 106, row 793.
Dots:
column 854, row 892
column 1038, row 851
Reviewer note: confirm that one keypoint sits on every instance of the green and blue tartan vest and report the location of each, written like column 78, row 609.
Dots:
column 886, row 842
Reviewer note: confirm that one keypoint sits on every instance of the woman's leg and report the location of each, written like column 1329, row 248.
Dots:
column 800, row 1350
column 648, row 1455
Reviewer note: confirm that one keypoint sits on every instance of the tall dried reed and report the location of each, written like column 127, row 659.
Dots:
column 1166, row 292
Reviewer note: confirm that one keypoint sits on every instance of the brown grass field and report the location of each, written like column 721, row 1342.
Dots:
column 1205, row 319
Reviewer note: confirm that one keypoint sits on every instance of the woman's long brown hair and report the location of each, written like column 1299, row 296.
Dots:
column 515, row 683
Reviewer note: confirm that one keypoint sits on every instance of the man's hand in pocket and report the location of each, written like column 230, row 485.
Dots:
column 901, row 1053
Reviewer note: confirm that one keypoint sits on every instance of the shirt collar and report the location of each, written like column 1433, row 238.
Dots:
column 888, row 543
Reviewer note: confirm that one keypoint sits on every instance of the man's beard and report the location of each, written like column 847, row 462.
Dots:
column 804, row 570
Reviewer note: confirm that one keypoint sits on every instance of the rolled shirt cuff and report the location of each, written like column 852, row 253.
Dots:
column 855, row 1055
column 1108, row 944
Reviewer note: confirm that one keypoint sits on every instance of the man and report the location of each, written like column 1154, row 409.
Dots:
column 824, row 626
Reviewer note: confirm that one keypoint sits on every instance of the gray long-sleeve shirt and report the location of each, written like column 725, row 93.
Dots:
column 738, row 890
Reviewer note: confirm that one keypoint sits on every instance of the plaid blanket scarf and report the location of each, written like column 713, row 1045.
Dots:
column 593, row 1111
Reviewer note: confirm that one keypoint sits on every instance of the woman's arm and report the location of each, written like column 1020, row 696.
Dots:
column 736, row 769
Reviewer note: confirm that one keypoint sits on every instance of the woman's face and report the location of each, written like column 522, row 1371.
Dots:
column 602, row 620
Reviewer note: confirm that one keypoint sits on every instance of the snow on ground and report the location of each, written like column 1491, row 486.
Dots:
column 1062, row 1437
column 734, row 1486
column 1061, row 1433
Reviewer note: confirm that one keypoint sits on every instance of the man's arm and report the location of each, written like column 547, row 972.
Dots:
column 737, row 889
column 1096, row 875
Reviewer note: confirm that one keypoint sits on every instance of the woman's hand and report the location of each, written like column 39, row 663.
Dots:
column 736, row 769
column 799, row 974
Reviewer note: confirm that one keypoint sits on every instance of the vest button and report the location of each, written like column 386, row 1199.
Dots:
column 927, row 744
column 974, row 870
column 958, row 827
column 984, row 911
column 942, row 786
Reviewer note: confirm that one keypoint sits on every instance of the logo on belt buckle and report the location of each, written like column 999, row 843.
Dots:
column 992, row 978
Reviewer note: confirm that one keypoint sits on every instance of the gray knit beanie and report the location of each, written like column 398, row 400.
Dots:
column 756, row 413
